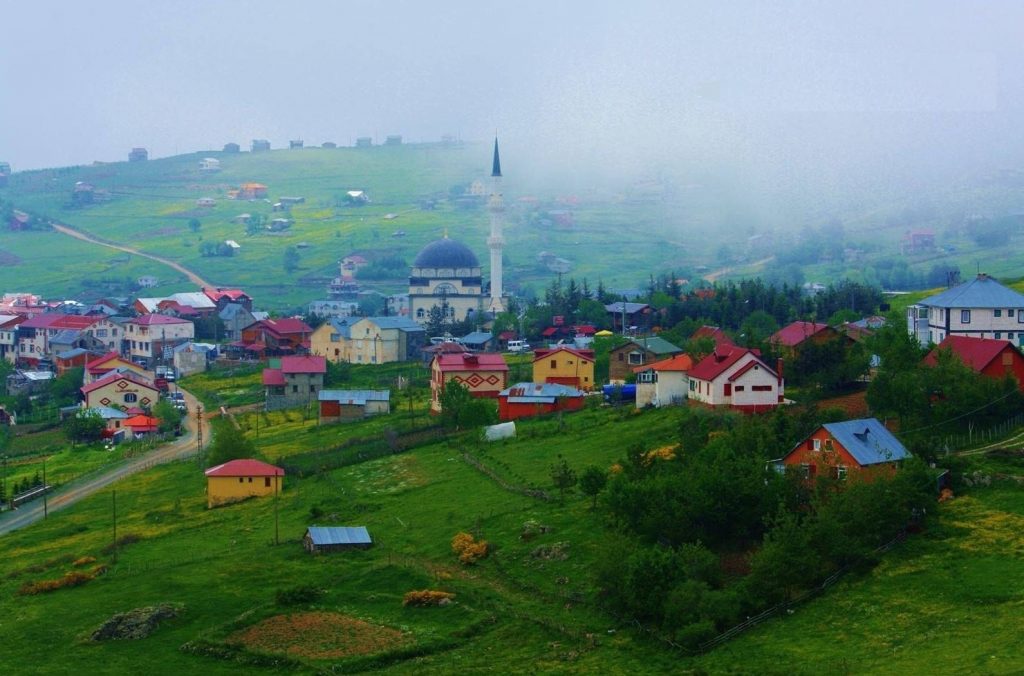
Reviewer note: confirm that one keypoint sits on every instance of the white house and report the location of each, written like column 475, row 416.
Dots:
column 980, row 308
column 736, row 377
column 147, row 337
column 663, row 383
column 209, row 164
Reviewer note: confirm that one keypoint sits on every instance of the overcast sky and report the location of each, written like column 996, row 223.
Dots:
column 776, row 90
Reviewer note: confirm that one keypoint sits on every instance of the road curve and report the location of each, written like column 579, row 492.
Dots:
column 78, row 234
column 183, row 446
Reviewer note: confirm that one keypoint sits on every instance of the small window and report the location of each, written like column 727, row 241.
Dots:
column 1009, row 312
column 312, row 388
column 841, row 473
column 295, row 389
column 130, row 397
column 998, row 312
column 620, row 356
column 241, row 480
column 693, row 384
column 828, row 445
column 741, row 388
column 965, row 316
column 998, row 334
column 805, row 470
column 817, row 444
column 250, row 479
column 636, row 357
column 554, row 363
column 266, row 482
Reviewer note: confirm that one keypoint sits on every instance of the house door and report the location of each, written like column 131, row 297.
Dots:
column 728, row 389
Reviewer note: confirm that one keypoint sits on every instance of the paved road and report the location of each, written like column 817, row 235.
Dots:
column 78, row 234
column 184, row 445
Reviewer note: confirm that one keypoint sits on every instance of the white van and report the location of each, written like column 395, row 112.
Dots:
column 518, row 346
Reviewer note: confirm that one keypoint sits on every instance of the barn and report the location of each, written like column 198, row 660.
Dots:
column 343, row 405
column 320, row 539
column 523, row 400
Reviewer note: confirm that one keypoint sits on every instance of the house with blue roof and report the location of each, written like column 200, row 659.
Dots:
column 843, row 449
column 980, row 308
column 320, row 539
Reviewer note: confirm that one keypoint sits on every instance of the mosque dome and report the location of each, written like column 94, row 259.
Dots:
column 446, row 253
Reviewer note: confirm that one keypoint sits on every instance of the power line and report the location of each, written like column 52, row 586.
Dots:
column 963, row 415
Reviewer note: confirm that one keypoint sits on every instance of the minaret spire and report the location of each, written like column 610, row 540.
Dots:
column 495, row 242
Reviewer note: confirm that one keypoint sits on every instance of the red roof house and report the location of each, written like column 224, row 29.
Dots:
column 297, row 382
column 788, row 339
column 278, row 336
column 241, row 479
column 987, row 356
column 736, row 377
column 484, row 374
column 714, row 333
column 142, row 424
column 120, row 389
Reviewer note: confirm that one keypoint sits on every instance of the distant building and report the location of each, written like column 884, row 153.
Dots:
column 209, row 165
column 329, row 145
column 627, row 316
column 565, row 366
column 147, row 281
column 524, row 400
column 738, row 378
column 393, row 140
column 638, row 352
column 206, row 202
column 326, row 539
column 232, row 148
column 138, row 155
column 122, row 389
column 295, row 144
column 259, row 145
column 5, row 173
column 987, row 356
column 297, row 382
column 252, row 191
column 917, row 241
column 333, row 309
column 345, row 405
column 364, row 142
column 484, row 375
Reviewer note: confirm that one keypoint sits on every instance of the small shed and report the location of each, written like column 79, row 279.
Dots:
column 342, row 405
column 335, row 538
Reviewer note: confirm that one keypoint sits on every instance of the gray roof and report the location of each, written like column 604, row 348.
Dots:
column 980, row 292
column 400, row 323
column 232, row 310
column 357, row 397
column 66, row 336
column 343, row 326
column 476, row 338
column 630, row 307
column 867, row 441
column 339, row 535
column 538, row 393
column 71, row 354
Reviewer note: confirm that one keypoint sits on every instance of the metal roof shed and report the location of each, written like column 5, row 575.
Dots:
column 335, row 538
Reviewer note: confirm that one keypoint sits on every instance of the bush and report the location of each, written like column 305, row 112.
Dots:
column 297, row 595
column 85, row 560
column 469, row 549
column 427, row 597
column 71, row 579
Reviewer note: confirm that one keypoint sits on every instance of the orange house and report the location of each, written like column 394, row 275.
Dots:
column 851, row 448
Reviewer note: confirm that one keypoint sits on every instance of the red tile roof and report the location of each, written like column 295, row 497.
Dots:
column 57, row 320
column 247, row 467
column 273, row 377
column 304, row 364
column 101, row 360
column 142, row 423
column 114, row 377
column 232, row 294
column 719, row 361
column 543, row 353
column 976, row 353
column 680, row 362
column 156, row 319
column 796, row 333
column 482, row 361
column 285, row 326
column 714, row 333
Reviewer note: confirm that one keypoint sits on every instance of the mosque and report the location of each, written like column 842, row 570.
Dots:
column 447, row 274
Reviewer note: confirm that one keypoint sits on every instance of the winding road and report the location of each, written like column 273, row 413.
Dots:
column 183, row 446
column 78, row 234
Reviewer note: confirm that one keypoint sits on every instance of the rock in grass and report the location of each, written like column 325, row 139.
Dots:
column 137, row 623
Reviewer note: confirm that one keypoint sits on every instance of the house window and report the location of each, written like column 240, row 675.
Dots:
column 693, row 386
column 1020, row 317
column 998, row 334
column 130, row 398
column 241, row 480
column 841, row 473
column 250, row 479
column 1009, row 312
column 817, row 444
column 645, row 377
column 266, row 482
column 828, row 445
column 805, row 470
column 620, row 356
column 998, row 312
column 965, row 316
column 554, row 363
column 636, row 357
column 741, row 388
column 761, row 388
column 295, row 389
column 335, row 337
column 312, row 388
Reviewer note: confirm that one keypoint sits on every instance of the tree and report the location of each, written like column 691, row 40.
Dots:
column 65, row 388
column 562, row 476
column 461, row 410
column 194, row 225
column 168, row 415
column 291, row 259
column 229, row 443
column 85, row 427
column 592, row 481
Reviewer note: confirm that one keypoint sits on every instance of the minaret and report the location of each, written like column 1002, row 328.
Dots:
column 495, row 242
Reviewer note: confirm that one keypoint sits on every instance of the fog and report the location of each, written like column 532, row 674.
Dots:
column 777, row 101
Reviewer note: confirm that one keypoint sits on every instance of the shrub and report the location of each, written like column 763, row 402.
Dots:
column 297, row 595
column 71, row 579
column 469, row 549
column 85, row 560
column 427, row 597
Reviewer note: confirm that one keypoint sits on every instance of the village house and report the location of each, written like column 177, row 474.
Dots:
column 141, row 425
column 638, row 352
column 206, row 202
column 987, row 356
column 296, row 382
column 193, row 357
column 221, row 298
column 714, row 334
column 737, row 378
column 565, row 366
column 346, row 405
column 329, row 309
column 260, row 145
column 112, row 361
column 34, row 335
column 209, row 165
column 844, row 450
column 483, row 374
column 917, row 241
column 524, row 400
column 364, row 141
column 252, row 191
column 626, row 316
column 232, row 148
column 269, row 337
column 147, row 337
column 393, row 140
column 124, row 389
column 368, row 340
column 138, row 155
column 113, row 419
column 788, row 340
column 241, row 479
column 980, row 308
column 663, row 383
column 71, row 359
column 9, row 336
column 295, row 145
column 235, row 317
column 326, row 539
column 28, row 381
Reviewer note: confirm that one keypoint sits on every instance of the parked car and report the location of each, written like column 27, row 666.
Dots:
column 518, row 346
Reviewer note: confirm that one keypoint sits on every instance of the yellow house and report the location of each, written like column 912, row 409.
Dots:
column 565, row 366
column 240, row 479
column 120, row 389
column 368, row 340
column 112, row 361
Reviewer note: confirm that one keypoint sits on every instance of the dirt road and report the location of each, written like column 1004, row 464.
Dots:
column 183, row 446
column 77, row 234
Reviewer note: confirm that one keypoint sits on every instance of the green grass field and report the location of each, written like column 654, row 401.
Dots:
column 947, row 601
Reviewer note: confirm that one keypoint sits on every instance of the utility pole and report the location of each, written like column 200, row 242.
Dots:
column 5, row 479
column 46, row 510
column 199, row 431
column 115, row 524
column 277, row 490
